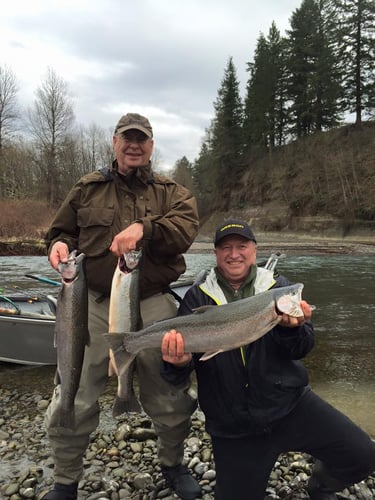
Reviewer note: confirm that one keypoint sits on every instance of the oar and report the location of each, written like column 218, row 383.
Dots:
column 43, row 280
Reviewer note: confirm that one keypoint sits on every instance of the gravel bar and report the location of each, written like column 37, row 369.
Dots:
column 121, row 460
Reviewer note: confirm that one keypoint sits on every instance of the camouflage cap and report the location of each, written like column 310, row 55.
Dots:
column 134, row 121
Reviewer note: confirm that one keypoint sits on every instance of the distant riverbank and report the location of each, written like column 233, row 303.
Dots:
column 15, row 246
column 301, row 244
column 291, row 243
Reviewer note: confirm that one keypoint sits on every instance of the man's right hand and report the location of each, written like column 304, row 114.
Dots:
column 173, row 349
column 59, row 253
column 126, row 241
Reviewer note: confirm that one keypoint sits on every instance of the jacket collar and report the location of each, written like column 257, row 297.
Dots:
column 143, row 174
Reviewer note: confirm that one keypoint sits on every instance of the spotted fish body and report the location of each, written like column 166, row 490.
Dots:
column 212, row 329
column 71, row 337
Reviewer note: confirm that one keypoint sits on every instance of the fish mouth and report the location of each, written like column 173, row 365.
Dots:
column 127, row 262
column 68, row 280
column 69, row 275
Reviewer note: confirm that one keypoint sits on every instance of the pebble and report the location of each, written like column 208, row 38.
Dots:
column 121, row 460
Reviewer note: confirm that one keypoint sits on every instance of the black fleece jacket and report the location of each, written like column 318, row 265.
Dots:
column 248, row 392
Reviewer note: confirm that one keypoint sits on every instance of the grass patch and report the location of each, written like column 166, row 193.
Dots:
column 24, row 219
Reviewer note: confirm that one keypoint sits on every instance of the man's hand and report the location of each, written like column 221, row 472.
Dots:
column 292, row 322
column 59, row 253
column 126, row 240
column 173, row 349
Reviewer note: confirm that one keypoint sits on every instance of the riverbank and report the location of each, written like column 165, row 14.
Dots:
column 301, row 244
column 121, row 459
column 291, row 243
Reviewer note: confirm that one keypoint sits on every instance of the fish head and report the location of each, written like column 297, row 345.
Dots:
column 288, row 300
column 129, row 261
column 70, row 270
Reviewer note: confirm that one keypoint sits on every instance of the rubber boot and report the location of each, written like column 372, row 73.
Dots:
column 182, row 482
column 61, row 492
column 322, row 485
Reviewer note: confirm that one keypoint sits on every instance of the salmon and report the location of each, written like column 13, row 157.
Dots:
column 213, row 329
column 71, row 336
column 124, row 315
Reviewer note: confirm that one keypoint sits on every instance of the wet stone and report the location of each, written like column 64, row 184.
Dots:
column 121, row 461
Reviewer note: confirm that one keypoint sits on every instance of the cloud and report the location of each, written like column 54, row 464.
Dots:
column 164, row 59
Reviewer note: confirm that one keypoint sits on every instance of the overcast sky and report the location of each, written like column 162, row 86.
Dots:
column 162, row 58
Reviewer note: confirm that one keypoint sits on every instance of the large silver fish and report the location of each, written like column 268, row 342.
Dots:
column 124, row 315
column 71, row 336
column 214, row 329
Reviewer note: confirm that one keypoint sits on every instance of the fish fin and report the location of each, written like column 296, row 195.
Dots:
column 119, row 341
column 208, row 355
column 57, row 378
column 202, row 309
column 122, row 358
column 115, row 341
column 121, row 406
column 112, row 369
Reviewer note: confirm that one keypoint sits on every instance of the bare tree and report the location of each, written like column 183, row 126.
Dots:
column 51, row 120
column 99, row 143
column 8, row 103
column 156, row 159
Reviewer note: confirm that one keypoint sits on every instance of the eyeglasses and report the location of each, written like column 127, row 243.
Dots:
column 134, row 138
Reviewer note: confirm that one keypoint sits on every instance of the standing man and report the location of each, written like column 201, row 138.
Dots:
column 256, row 399
column 108, row 213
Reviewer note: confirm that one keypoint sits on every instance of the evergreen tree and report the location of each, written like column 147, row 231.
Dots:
column 265, row 96
column 327, row 83
column 313, row 83
column 226, row 135
column 355, row 32
column 203, row 173
column 183, row 173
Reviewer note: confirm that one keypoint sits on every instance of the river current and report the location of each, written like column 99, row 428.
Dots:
column 342, row 287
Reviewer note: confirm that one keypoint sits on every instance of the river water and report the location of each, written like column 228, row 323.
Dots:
column 342, row 364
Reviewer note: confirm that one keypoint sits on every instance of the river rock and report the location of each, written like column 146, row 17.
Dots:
column 121, row 461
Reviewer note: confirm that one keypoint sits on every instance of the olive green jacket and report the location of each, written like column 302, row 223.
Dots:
column 103, row 203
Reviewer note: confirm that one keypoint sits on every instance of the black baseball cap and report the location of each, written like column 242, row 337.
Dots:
column 233, row 226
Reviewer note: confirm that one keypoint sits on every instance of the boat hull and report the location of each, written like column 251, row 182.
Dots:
column 27, row 329
column 27, row 341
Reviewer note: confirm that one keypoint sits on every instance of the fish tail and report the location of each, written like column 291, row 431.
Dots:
column 87, row 338
column 121, row 406
column 120, row 342
column 115, row 341
column 57, row 378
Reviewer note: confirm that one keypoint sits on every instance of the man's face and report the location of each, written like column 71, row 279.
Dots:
column 132, row 149
column 234, row 256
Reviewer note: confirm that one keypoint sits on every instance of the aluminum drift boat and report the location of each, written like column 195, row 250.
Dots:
column 27, row 326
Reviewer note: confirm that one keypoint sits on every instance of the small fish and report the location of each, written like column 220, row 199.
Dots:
column 124, row 315
column 214, row 329
column 71, row 336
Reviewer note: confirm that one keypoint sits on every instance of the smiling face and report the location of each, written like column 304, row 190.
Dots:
column 234, row 256
column 132, row 149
